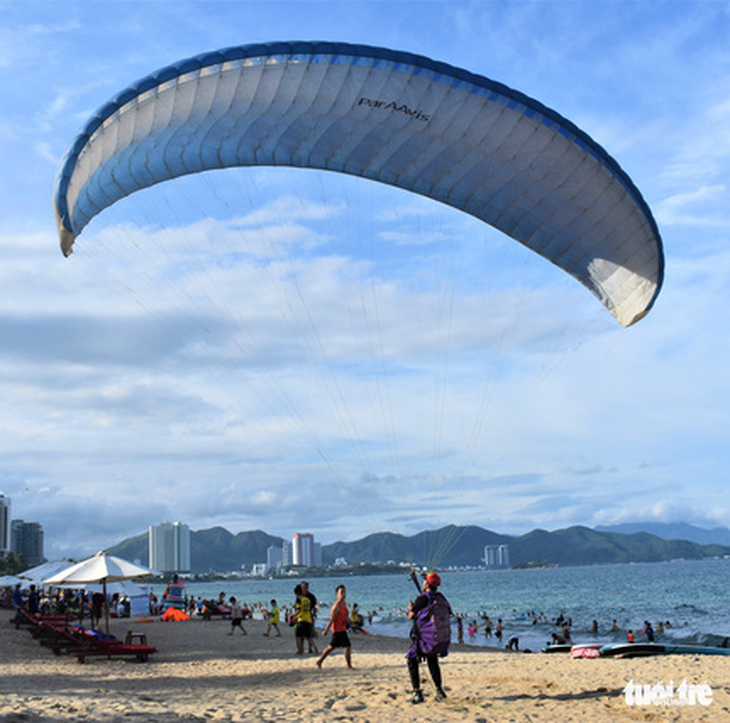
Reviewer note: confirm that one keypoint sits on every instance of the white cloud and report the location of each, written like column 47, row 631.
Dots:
column 291, row 208
column 277, row 332
column 704, row 206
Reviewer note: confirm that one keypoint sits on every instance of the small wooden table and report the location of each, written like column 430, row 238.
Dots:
column 140, row 638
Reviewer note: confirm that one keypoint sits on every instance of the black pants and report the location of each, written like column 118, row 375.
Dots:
column 433, row 667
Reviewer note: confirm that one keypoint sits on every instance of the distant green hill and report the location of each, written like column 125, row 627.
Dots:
column 584, row 546
column 673, row 531
column 452, row 545
column 572, row 546
column 133, row 549
column 217, row 550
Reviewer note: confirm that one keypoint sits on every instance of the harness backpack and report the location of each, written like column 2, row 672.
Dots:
column 432, row 626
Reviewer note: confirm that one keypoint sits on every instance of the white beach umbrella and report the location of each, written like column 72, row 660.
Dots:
column 101, row 568
column 10, row 581
column 38, row 574
column 121, row 587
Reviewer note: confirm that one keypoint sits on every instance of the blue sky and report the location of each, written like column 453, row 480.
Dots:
column 394, row 364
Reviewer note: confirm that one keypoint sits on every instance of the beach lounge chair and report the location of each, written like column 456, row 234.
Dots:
column 213, row 609
column 32, row 620
column 52, row 631
column 83, row 643
column 61, row 639
column 98, row 644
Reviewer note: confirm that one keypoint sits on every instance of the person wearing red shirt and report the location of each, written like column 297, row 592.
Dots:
column 338, row 624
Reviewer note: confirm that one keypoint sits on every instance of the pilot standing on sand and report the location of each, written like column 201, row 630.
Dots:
column 431, row 635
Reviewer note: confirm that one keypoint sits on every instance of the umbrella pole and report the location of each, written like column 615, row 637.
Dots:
column 106, row 606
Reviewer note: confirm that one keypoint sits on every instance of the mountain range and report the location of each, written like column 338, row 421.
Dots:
column 673, row 531
column 218, row 550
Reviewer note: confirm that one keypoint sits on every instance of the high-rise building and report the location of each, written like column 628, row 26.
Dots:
column 274, row 557
column 504, row 556
column 169, row 547
column 303, row 549
column 287, row 553
column 4, row 524
column 496, row 557
column 26, row 539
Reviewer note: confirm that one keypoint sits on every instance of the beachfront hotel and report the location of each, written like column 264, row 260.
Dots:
column 169, row 547
column 496, row 557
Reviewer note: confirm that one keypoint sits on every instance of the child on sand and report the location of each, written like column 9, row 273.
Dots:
column 338, row 624
column 236, row 617
column 273, row 620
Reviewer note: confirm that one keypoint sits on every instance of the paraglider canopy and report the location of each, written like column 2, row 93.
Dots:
column 390, row 116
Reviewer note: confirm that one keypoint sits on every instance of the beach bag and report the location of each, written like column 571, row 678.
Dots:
column 432, row 626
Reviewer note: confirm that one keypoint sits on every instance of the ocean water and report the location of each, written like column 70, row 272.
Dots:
column 691, row 595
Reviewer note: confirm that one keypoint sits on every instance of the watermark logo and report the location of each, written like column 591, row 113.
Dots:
column 660, row 694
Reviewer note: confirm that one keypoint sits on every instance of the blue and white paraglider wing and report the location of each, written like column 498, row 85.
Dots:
column 393, row 117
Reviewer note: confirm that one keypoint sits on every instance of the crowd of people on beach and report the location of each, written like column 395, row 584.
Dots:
column 429, row 641
column 82, row 604
column 430, row 613
column 75, row 603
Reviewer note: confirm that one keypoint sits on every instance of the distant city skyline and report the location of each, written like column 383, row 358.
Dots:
column 300, row 549
column 20, row 537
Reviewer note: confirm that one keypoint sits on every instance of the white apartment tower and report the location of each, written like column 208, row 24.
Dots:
column 303, row 549
column 169, row 547
column 274, row 557
column 496, row 557
column 287, row 553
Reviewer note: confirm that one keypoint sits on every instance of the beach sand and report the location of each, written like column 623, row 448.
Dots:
column 202, row 673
